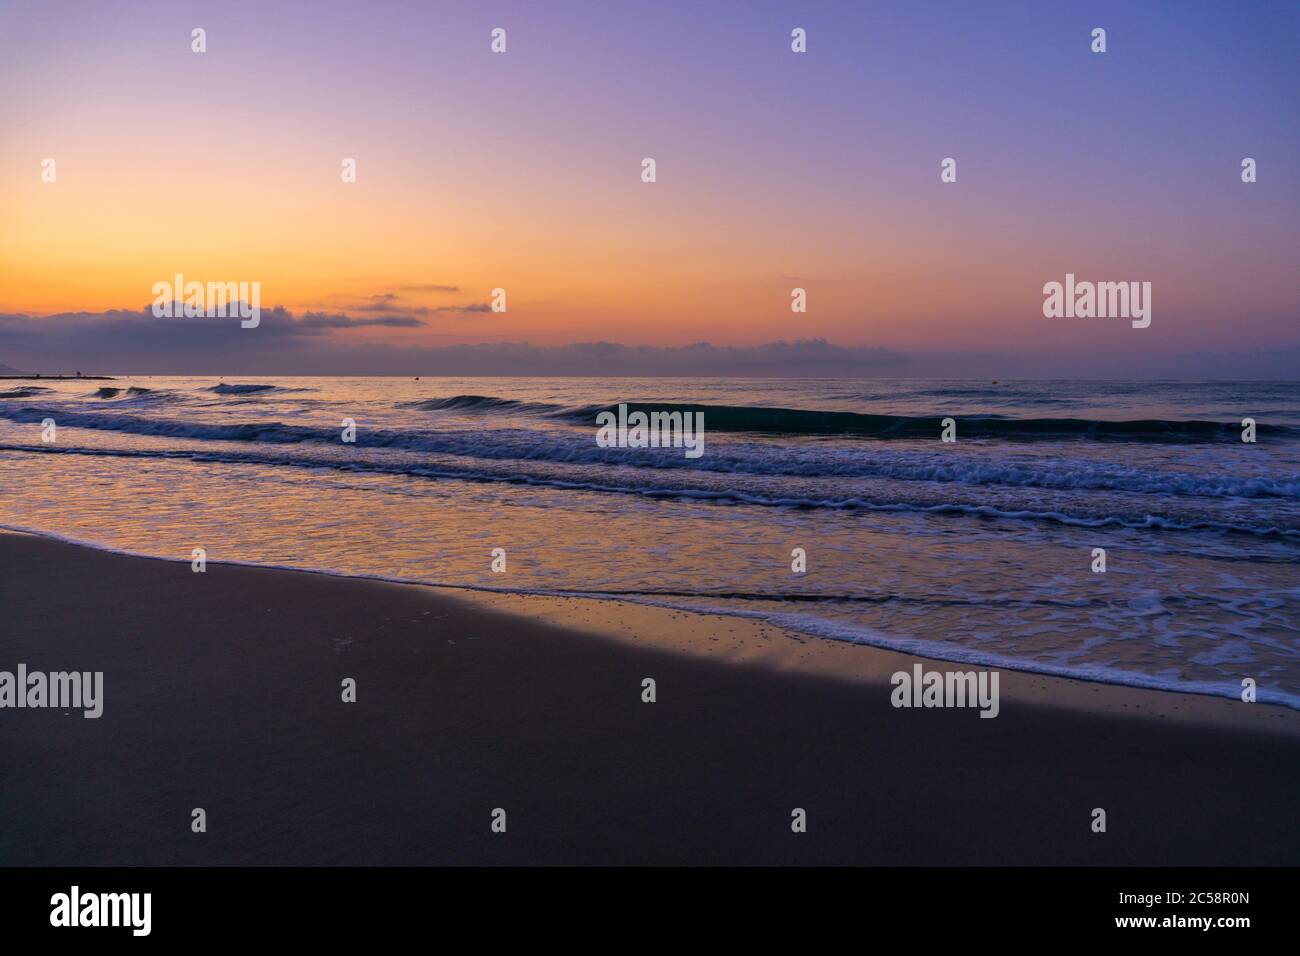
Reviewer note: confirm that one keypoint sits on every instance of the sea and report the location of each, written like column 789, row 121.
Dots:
column 982, row 550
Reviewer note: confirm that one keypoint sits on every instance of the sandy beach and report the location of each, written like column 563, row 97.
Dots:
column 222, row 691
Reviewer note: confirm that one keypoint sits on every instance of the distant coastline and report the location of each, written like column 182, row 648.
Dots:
column 56, row 378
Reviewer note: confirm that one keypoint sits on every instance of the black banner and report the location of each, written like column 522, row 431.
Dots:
column 335, row 905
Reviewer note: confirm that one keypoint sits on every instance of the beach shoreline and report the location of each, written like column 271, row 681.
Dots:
column 222, row 692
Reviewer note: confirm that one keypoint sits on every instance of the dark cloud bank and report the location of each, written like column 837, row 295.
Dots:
column 136, row 343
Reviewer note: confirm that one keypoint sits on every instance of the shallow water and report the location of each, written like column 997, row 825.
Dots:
column 979, row 550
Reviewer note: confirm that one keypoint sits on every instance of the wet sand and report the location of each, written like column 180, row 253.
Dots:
column 222, row 691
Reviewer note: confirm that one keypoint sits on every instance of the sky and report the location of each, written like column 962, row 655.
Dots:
column 775, row 170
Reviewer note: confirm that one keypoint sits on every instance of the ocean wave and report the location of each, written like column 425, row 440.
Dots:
column 802, row 421
column 224, row 389
column 476, row 403
column 994, row 394
column 133, row 391
column 947, row 651
column 726, row 496
column 799, row 421
column 949, row 467
column 759, row 420
column 166, row 428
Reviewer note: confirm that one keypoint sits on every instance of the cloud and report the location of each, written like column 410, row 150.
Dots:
column 387, row 302
column 461, row 309
column 127, row 342
column 325, row 320
column 121, row 338
column 383, row 303
column 428, row 288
